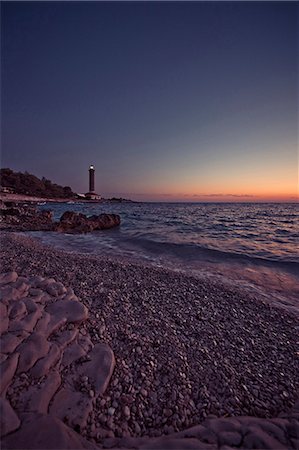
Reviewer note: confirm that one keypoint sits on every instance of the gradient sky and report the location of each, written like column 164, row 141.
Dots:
column 169, row 101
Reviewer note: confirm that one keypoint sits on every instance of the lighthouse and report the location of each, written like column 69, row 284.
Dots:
column 91, row 179
column 91, row 195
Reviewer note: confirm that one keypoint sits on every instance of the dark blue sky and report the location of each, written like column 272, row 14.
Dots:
column 178, row 99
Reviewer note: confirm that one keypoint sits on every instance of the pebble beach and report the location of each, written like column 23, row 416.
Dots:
column 186, row 350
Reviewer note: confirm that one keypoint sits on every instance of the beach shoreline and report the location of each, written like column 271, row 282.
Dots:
column 21, row 198
column 184, row 348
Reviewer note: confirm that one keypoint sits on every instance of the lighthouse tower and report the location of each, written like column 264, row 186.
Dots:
column 91, row 195
column 91, row 179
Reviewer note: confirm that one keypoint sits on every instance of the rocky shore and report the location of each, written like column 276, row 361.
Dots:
column 20, row 217
column 186, row 354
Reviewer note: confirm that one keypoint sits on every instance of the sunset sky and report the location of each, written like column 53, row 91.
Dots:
column 170, row 101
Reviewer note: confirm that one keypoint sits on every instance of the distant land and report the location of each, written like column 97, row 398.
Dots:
column 26, row 186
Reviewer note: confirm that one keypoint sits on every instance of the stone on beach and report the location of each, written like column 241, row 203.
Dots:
column 55, row 289
column 22, row 217
column 30, row 369
column 29, row 218
column 4, row 320
column 18, row 310
column 100, row 368
column 64, row 338
column 72, row 222
column 70, row 310
column 43, row 323
column 9, row 293
column 9, row 421
column 38, row 397
column 46, row 432
column 7, row 371
column 44, row 364
column 34, row 348
column 10, row 341
column 72, row 353
column 8, row 277
column 72, row 407
column 27, row 323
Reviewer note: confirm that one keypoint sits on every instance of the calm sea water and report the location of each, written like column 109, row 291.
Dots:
column 192, row 236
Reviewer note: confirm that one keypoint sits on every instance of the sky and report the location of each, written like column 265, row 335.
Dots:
column 170, row 101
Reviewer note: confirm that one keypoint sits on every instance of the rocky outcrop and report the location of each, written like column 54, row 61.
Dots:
column 51, row 368
column 17, row 217
column 71, row 222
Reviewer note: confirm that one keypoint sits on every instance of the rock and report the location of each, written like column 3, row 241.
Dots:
column 2, row 358
column 127, row 411
column 55, row 289
column 274, row 430
column 72, row 407
column 43, row 323
column 9, row 421
column 257, row 438
column 7, row 370
column 38, row 397
column 10, row 341
column 27, row 323
column 219, row 425
column 46, row 432
column 3, row 310
column 72, row 222
column 167, row 443
column 72, row 353
column 8, row 277
column 111, row 411
column 9, row 293
column 230, row 438
column 18, row 310
column 22, row 286
column 65, row 337
column 85, row 343
column 22, row 218
column 71, row 310
column 43, row 366
column 31, row 306
column 70, row 295
column 100, row 368
column 55, row 324
column 200, row 432
column 34, row 348
column 4, row 323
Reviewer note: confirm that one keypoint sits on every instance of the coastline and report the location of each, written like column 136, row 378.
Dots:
column 185, row 348
column 20, row 198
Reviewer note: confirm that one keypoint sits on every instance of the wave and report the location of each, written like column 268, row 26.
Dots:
column 197, row 252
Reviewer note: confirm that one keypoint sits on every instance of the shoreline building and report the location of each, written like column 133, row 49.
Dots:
column 92, row 195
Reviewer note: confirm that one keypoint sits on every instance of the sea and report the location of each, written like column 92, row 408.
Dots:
column 252, row 244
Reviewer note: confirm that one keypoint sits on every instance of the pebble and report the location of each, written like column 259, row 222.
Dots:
column 137, row 428
column 127, row 411
column 199, row 368
column 111, row 411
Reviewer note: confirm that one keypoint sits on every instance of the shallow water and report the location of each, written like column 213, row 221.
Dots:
column 254, row 242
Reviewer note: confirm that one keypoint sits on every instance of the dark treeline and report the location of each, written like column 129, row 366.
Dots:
column 28, row 184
